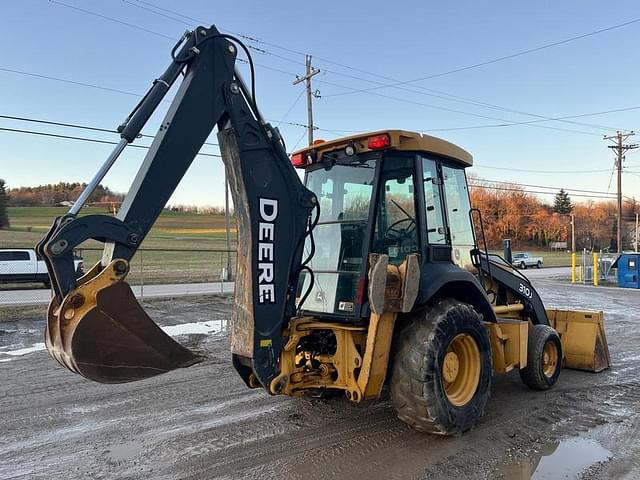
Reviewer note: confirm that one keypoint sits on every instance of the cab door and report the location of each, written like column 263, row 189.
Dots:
column 457, row 206
column 438, row 245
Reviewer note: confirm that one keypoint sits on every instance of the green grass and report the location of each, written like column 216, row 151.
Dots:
column 190, row 242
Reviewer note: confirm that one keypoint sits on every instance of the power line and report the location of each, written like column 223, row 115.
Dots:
column 539, row 171
column 85, row 139
column 567, row 189
column 105, row 130
column 547, row 119
column 487, row 187
column 469, row 101
column 329, row 83
column 443, row 95
column 297, row 124
column 72, row 82
column 114, row 90
column 462, row 112
column 437, row 94
column 112, row 19
column 295, row 102
column 473, row 184
column 502, row 58
column 75, row 125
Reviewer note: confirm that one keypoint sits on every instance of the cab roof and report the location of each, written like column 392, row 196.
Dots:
column 398, row 140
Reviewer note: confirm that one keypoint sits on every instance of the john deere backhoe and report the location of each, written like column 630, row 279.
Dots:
column 366, row 274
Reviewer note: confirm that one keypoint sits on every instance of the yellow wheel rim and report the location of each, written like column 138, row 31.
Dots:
column 461, row 369
column 549, row 359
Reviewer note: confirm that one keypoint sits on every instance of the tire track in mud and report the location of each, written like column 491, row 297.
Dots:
column 289, row 441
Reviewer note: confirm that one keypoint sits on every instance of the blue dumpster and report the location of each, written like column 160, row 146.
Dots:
column 628, row 265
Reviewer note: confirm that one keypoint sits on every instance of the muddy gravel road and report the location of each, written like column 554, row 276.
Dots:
column 203, row 423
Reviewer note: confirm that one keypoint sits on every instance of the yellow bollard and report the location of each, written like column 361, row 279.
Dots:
column 573, row 267
column 581, row 274
column 595, row 269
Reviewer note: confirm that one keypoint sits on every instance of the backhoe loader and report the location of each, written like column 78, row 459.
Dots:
column 365, row 274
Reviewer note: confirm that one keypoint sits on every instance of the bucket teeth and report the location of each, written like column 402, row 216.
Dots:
column 101, row 332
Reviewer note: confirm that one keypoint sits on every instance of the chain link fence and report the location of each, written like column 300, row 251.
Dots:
column 154, row 272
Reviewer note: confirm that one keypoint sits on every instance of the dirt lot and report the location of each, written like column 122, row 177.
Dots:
column 203, row 423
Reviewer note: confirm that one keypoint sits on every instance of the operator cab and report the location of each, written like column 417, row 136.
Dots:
column 391, row 192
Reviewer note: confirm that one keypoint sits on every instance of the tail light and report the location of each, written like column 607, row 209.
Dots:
column 298, row 160
column 379, row 141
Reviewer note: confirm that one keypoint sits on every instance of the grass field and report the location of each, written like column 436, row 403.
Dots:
column 181, row 247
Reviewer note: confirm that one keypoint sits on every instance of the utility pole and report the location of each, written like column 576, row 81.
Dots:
column 619, row 148
column 310, row 94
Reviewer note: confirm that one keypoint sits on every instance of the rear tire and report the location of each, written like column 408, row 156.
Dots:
column 539, row 264
column 544, row 358
column 441, row 373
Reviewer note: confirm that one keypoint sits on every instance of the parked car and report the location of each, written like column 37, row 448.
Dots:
column 24, row 265
column 524, row 260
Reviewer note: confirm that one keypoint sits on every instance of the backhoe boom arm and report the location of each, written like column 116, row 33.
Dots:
column 272, row 205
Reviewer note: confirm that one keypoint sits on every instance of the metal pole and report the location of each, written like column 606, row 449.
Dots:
column 573, row 232
column 637, row 231
column 309, row 101
column 310, row 72
column 619, row 165
column 573, row 248
column 90, row 188
column 619, row 149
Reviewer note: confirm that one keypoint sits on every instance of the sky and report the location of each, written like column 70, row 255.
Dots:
column 356, row 45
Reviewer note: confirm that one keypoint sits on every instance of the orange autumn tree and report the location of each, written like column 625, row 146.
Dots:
column 508, row 211
column 595, row 224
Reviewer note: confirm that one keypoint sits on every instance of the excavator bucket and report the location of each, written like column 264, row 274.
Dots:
column 101, row 332
column 583, row 338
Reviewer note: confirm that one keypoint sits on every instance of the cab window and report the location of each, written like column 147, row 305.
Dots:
column 436, row 231
column 457, row 200
column 396, row 232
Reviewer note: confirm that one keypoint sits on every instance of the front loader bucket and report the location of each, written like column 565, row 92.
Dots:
column 584, row 342
column 101, row 332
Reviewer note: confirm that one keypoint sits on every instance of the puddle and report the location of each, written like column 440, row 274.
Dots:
column 124, row 451
column 23, row 351
column 208, row 327
column 565, row 459
column 213, row 326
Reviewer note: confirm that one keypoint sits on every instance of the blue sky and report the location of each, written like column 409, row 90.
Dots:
column 410, row 40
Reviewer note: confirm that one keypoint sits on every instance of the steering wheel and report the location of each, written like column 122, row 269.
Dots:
column 396, row 233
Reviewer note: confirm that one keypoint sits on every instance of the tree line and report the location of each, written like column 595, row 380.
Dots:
column 54, row 194
column 510, row 212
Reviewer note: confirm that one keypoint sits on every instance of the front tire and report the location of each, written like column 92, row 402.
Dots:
column 441, row 374
column 544, row 358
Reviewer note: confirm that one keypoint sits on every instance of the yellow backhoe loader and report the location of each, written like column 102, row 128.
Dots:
column 367, row 273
